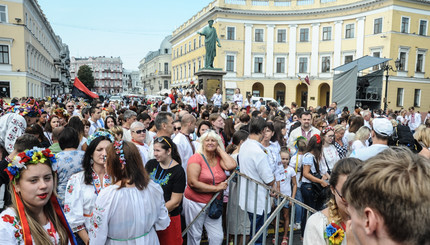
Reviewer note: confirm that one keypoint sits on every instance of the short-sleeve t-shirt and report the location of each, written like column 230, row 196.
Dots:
column 205, row 177
column 172, row 180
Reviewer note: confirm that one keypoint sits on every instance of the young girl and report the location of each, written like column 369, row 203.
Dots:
column 288, row 186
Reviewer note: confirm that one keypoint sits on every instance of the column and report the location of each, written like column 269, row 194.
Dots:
column 247, row 57
column 269, row 50
column 337, row 43
column 360, row 37
column 315, row 48
column 292, row 51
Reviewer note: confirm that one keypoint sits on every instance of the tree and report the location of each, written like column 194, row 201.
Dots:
column 85, row 74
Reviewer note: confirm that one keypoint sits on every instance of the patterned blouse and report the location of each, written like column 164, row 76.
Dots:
column 341, row 150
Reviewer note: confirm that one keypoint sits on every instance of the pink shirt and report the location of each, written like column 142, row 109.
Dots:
column 205, row 177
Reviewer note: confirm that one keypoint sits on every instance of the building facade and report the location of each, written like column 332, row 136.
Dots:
column 131, row 82
column 154, row 69
column 33, row 59
column 267, row 44
column 107, row 72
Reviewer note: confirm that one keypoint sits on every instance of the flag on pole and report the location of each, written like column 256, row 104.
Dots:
column 300, row 79
column 307, row 80
column 79, row 90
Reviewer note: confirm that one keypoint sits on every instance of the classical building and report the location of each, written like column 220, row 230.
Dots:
column 107, row 72
column 155, row 68
column 131, row 82
column 33, row 59
column 267, row 44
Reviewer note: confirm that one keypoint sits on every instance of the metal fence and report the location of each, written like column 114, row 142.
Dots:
column 237, row 219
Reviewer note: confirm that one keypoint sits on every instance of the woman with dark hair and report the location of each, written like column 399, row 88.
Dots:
column 329, row 153
column 110, row 122
column 166, row 170
column 355, row 123
column 53, row 122
column 69, row 160
column 201, row 129
column 133, row 208
column 76, row 123
column 37, row 131
column 229, row 129
column 280, row 132
column 336, row 212
column 217, row 123
column 83, row 187
column 273, row 149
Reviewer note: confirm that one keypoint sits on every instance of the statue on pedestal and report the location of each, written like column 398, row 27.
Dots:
column 211, row 39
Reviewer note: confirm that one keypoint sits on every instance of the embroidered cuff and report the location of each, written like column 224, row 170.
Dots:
column 78, row 228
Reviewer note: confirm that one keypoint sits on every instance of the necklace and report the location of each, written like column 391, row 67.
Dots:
column 161, row 177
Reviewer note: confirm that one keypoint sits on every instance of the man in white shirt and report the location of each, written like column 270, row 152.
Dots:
column 382, row 130
column 414, row 119
column 306, row 130
column 254, row 162
column 130, row 118
column 257, row 104
column 183, row 141
column 70, row 108
column 217, row 98
column 167, row 100
column 95, row 115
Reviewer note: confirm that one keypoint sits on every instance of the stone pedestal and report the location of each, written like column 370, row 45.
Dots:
column 210, row 80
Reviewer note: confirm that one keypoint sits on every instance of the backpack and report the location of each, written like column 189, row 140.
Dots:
column 402, row 136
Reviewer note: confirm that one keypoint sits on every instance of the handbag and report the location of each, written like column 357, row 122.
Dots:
column 215, row 209
column 321, row 193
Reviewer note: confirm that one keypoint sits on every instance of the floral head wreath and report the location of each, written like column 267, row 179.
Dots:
column 29, row 108
column 99, row 134
column 119, row 150
column 327, row 129
column 33, row 156
column 318, row 138
column 13, row 170
column 297, row 140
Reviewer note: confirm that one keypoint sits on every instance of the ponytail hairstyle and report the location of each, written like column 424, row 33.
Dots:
column 315, row 147
column 238, row 136
column 167, row 144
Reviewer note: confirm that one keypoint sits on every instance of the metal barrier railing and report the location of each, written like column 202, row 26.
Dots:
column 235, row 181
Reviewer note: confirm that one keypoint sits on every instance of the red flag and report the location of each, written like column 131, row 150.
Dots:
column 307, row 80
column 80, row 90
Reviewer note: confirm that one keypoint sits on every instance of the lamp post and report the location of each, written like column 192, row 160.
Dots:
column 387, row 68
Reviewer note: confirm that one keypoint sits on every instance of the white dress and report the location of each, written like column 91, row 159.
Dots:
column 11, row 229
column 80, row 199
column 129, row 215
column 314, row 231
column 330, row 156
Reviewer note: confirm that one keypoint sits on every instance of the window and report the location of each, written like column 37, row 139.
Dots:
column 200, row 41
column 258, row 65
column 259, row 35
column 166, row 84
column 189, row 46
column 376, row 54
column 303, row 64
column 325, row 64
column 4, row 89
column 423, row 27
column 282, row 36
column 280, row 65
column 166, row 68
column 194, row 44
column 417, row 97
column 304, row 35
column 185, row 48
column 2, row 13
column 181, row 50
column 420, row 63
column 189, row 69
column 349, row 31
column 400, row 92
column 377, row 26
column 405, row 25
column 231, row 33
column 402, row 64
column 326, row 33
column 348, row 58
column 230, row 63
column 4, row 54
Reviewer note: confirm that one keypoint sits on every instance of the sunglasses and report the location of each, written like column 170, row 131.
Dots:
column 341, row 197
column 140, row 131
column 161, row 139
column 176, row 128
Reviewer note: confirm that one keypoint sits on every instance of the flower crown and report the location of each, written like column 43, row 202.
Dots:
column 119, row 150
column 99, row 134
column 33, row 156
column 318, row 138
column 297, row 140
column 326, row 129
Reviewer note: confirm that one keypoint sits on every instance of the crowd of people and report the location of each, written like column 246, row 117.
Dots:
column 103, row 172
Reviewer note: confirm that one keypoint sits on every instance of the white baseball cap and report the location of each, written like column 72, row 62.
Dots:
column 382, row 126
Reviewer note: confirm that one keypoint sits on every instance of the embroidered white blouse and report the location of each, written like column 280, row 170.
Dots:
column 80, row 199
column 129, row 215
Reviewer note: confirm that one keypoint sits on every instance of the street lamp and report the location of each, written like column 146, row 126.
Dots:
column 386, row 67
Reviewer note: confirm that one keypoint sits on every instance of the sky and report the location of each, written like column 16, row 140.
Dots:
column 128, row 28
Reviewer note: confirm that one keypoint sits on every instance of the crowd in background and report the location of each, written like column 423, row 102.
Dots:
column 140, row 171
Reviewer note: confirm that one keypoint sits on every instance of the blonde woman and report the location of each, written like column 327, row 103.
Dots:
column 422, row 135
column 360, row 138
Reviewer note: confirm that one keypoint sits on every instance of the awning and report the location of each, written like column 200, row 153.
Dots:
column 362, row 63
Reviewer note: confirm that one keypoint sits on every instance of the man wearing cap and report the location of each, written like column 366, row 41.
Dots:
column 382, row 130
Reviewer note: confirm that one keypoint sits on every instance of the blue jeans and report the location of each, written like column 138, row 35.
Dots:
column 299, row 209
column 308, row 199
column 259, row 221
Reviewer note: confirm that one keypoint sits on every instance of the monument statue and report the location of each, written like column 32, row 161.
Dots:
column 211, row 39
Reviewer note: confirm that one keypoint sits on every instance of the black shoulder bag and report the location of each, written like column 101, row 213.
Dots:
column 215, row 209
column 321, row 193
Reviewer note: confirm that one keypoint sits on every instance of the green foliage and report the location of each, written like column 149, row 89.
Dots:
column 85, row 74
